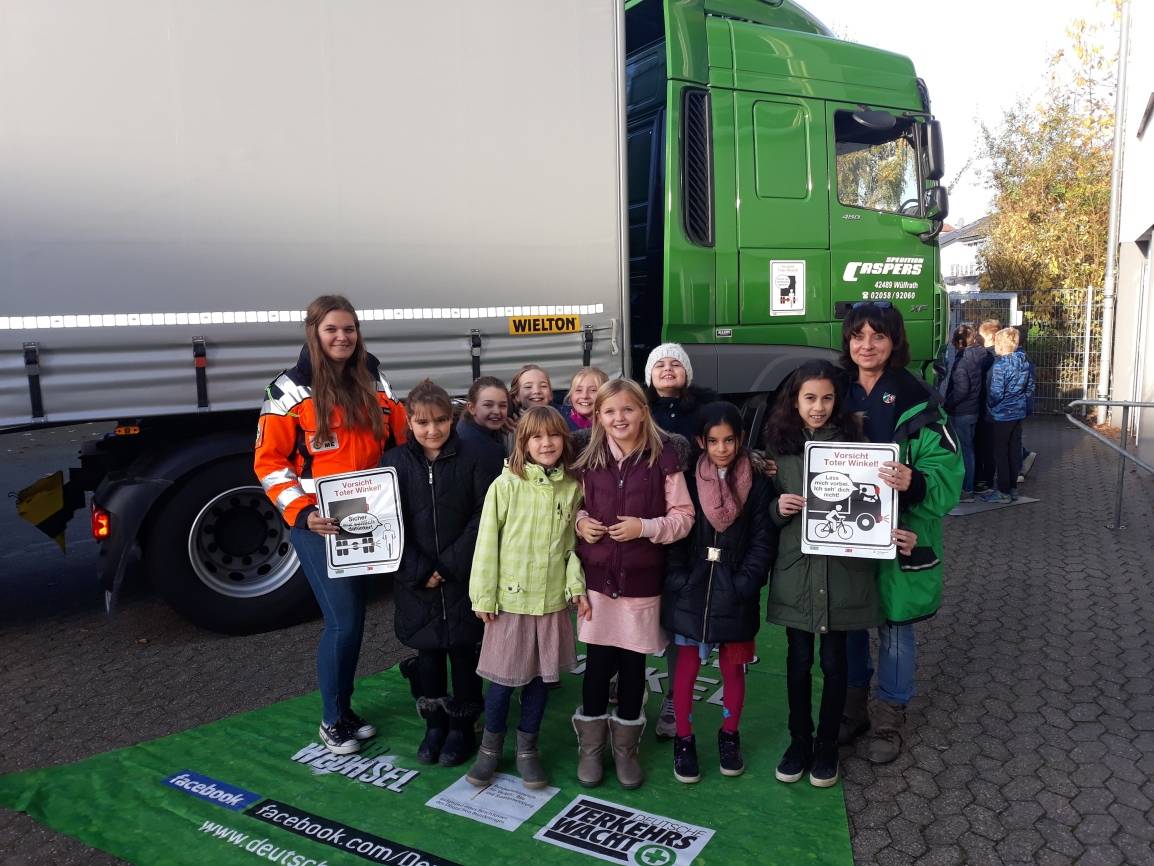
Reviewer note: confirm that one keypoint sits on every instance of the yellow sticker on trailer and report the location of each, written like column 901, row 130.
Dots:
column 560, row 324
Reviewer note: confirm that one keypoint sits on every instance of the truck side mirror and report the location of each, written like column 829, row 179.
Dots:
column 937, row 203
column 934, row 155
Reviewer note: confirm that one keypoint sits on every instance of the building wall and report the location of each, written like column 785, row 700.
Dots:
column 1133, row 362
column 960, row 265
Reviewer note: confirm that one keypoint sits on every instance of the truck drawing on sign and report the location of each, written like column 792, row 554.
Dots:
column 171, row 205
column 863, row 508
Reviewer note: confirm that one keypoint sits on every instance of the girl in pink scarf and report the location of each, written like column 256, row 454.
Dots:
column 713, row 585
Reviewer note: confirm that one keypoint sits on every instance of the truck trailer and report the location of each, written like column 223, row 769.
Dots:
column 566, row 183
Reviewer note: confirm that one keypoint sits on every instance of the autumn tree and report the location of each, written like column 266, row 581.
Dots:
column 1050, row 168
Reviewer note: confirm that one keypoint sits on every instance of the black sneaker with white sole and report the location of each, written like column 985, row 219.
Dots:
column 729, row 752
column 361, row 729
column 824, row 772
column 339, row 738
column 685, row 765
column 795, row 761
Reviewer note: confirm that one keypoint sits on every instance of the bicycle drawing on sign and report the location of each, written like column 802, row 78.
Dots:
column 848, row 511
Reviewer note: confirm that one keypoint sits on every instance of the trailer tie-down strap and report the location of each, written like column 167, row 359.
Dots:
column 475, row 352
column 200, row 362
column 32, row 371
column 587, row 346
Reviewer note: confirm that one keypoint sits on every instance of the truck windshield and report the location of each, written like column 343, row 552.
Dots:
column 877, row 170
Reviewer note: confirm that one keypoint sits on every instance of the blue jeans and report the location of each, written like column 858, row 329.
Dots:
column 342, row 601
column 964, row 426
column 534, row 694
column 897, row 662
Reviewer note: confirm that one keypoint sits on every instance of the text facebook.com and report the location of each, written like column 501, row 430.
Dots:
column 329, row 833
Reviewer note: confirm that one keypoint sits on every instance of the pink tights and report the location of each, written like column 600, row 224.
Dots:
column 733, row 699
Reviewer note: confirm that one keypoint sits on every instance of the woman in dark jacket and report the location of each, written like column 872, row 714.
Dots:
column 714, row 580
column 443, row 481
column 965, row 396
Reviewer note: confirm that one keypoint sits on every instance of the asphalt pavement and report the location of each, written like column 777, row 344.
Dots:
column 1031, row 738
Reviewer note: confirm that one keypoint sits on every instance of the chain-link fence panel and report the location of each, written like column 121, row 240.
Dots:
column 1061, row 333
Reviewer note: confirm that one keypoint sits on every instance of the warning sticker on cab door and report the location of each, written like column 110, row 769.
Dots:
column 786, row 288
column 559, row 324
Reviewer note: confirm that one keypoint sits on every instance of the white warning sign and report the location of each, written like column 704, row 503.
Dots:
column 786, row 288
column 848, row 510
column 367, row 508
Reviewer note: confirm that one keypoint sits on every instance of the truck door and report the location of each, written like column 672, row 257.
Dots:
column 876, row 216
column 782, row 216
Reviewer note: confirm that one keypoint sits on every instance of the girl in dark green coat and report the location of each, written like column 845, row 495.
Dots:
column 809, row 594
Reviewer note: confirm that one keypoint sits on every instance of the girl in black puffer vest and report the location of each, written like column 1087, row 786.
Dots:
column 714, row 581
column 443, row 481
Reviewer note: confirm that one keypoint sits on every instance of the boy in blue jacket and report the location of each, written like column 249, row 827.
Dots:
column 1009, row 391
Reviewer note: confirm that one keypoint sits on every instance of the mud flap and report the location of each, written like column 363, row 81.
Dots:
column 49, row 504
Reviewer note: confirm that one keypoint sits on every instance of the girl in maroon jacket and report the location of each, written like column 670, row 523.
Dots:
column 636, row 501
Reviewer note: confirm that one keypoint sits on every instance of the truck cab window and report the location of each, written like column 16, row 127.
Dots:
column 877, row 170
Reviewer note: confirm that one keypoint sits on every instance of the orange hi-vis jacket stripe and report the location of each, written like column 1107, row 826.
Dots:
column 288, row 457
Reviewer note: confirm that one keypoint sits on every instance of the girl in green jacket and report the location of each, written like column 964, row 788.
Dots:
column 811, row 594
column 525, row 573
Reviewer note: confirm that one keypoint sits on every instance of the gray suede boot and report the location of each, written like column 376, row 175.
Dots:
column 625, row 734
column 488, row 759
column 592, row 734
column 855, row 718
column 529, row 762
column 889, row 721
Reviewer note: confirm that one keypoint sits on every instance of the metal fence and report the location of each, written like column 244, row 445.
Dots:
column 1062, row 336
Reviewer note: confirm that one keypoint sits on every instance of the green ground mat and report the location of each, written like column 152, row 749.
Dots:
column 305, row 811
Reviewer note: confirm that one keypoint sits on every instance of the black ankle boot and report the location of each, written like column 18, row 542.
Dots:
column 436, row 729
column 462, row 740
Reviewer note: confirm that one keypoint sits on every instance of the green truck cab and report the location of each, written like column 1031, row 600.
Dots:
column 777, row 176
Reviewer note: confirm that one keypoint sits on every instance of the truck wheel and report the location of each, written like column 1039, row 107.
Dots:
column 219, row 553
column 865, row 522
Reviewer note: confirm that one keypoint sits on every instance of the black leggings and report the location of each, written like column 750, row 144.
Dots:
column 1008, row 453
column 799, row 683
column 601, row 663
column 433, row 678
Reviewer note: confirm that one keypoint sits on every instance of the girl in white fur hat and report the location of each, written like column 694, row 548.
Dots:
column 673, row 402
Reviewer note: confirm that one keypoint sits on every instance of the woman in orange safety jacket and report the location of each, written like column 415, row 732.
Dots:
column 333, row 412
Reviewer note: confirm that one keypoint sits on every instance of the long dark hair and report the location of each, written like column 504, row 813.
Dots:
column 350, row 385
column 884, row 319
column 785, row 431
column 711, row 415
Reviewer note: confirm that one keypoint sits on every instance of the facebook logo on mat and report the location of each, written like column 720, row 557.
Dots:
column 210, row 789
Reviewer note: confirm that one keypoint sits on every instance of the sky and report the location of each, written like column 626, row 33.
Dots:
column 977, row 57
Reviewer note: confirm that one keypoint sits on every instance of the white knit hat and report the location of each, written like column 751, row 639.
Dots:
column 668, row 350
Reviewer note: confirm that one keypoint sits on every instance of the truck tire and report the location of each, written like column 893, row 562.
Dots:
column 866, row 522
column 218, row 552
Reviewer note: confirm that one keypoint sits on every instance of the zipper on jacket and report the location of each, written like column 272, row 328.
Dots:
column 617, row 509
column 437, row 541
column 708, row 595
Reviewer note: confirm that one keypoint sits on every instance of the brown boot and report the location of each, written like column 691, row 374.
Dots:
column 488, row 759
column 529, row 762
column 625, row 734
column 592, row 733
column 855, row 718
column 889, row 721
